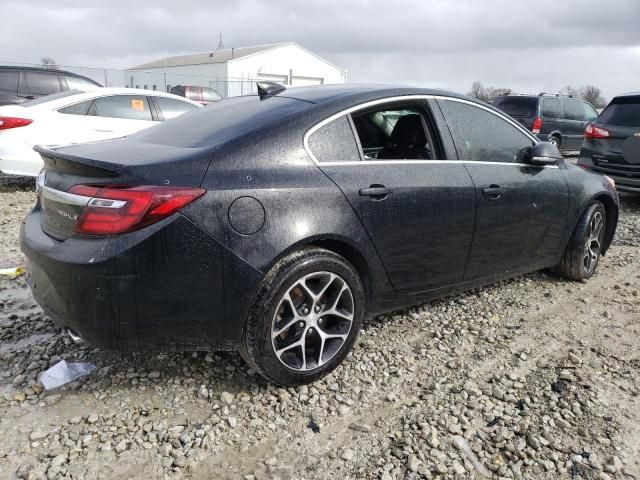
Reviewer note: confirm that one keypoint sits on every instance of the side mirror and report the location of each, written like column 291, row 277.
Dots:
column 544, row 153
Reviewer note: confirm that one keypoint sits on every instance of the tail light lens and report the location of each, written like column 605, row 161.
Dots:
column 114, row 210
column 595, row 132
column 13, row 122
column 537, row 125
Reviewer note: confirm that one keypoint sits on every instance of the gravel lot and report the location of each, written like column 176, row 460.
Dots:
column 531, row 378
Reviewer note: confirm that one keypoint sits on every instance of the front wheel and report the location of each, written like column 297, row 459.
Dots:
column 581, row 257
column 305, row 317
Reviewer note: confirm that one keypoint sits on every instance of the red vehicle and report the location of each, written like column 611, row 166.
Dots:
column 202, row 95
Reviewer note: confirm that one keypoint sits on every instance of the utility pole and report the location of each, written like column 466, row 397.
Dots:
column 220, row 45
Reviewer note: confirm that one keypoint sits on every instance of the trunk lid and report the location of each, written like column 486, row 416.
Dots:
column 120, row 162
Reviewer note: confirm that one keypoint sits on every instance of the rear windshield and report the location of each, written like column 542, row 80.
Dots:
column 517, row 106
column 48, row 98
column 622, row 111
column 222, row 121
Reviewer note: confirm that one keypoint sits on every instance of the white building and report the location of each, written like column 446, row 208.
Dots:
column 234, row 71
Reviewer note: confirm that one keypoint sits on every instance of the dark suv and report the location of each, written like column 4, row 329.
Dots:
column 19, row 84
column 610, row 143
column 555, row 118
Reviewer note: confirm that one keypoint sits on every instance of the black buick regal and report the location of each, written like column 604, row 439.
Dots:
column 274, row 223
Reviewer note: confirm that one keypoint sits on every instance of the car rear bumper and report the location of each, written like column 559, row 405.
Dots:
column 27, row 163
column 161, row 287
column 626, row 181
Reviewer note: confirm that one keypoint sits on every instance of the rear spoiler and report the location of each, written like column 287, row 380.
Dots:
column 61, row 162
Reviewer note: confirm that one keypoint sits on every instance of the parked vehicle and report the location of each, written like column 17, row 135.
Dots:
column 19, row 84
column 77, row 117
column 610, row 142
column 554, row 118
column 274, row 223
column 204, row 95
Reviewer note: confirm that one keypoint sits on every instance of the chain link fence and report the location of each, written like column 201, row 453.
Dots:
column 154, row 79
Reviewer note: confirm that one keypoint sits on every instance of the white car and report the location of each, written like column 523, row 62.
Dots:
column 79, row 117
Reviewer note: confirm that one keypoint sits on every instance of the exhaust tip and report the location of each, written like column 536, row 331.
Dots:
column 74, row 335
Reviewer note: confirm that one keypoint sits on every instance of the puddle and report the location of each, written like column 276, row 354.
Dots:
column 25, row 342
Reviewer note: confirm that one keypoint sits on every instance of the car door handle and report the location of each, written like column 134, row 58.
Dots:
column 378, row 192
column 494, row 192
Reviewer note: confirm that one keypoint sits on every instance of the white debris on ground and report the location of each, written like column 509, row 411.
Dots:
column 532, row 378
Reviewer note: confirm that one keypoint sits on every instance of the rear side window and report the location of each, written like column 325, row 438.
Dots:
column 43, row 83
column 517, row 106
column 334, row 142
column 623, row 112
column 483, row 136
column 9, row 82
column 573, row 109
column 171, row 108
column 551, row 108
column 131, row 107
column 81, row 108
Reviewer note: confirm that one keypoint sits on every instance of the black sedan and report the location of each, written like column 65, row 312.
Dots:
column 274, row 223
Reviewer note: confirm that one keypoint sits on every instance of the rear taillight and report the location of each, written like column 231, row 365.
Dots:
column 13, row 122
column 118, row 210
column 537, row 125
column 595, row 132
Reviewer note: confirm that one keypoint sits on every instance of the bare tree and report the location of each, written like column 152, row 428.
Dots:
column 588, row 93
column 477, row 90
column 487, row 94
column 592, row 94
column 48, row 62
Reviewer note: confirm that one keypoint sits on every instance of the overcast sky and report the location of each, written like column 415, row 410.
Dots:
column 528, row 46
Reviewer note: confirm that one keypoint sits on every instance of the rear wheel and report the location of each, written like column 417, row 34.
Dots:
column 555, row 141
column 581, row 257
column 305, row 318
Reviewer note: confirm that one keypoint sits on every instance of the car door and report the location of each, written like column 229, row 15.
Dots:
column 521, row 208
column 120, row 115
column 574, row 123
column 418, row 209
column 551, row 115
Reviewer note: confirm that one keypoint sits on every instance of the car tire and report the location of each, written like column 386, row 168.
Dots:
column 305, row 317
column 581, row 257
column 554, row 140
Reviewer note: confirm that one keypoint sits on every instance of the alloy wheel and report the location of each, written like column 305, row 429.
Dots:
column 312, row 321
column 593, row 243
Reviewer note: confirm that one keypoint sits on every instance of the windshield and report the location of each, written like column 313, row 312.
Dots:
column 48, row 98
column 623, row 112
column 517, row 106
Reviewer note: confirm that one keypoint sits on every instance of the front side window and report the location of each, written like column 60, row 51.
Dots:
column 551, row 108
column 334, row 142
column 171, row 108
column 43, row 83
column 590, row 113
column 573, row 109
column 76, row 83
column 481, row 135
column 131, row 107
column 394, row 133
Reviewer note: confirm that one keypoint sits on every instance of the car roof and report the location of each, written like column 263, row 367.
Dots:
column 353, row 92
column 46, row 70
column 81, row 96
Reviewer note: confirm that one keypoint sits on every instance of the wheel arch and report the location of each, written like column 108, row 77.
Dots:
column 611, row 210
column 342, row 247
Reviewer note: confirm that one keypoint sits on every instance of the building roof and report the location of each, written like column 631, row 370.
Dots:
column 217, row 56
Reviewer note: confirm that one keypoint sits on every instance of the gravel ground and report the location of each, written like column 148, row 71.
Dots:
column 534, row 378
